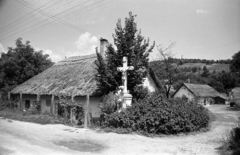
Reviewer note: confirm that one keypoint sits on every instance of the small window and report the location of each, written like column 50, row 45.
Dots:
column 48, row 103
column 27, row 104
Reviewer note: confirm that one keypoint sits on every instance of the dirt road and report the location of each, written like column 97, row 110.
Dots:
column 22, row 138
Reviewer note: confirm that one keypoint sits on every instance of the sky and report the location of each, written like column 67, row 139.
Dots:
column 204, row 29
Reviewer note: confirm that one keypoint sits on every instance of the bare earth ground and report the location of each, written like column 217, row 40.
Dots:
column 22, row 138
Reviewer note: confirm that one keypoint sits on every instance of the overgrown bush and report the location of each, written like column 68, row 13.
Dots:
column 110, row 103
column 13, row 103
column 158, row 115
column 232, row 143
column 66, row 105
column 140, row 93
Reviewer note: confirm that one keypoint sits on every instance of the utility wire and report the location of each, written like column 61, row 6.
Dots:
column 46, row 20
column 89, row 7
column 22, row 17
column 33, row 20
column 44, row 26
column 18, row 11
column 54, row 18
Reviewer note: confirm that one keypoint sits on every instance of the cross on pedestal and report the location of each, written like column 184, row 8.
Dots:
column 124, row 70
column 127, row 98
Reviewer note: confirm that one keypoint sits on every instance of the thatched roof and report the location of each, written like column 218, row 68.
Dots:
column 71, row 76
column 203, row 90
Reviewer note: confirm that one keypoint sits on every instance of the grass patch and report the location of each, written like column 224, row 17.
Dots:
column 36, row 118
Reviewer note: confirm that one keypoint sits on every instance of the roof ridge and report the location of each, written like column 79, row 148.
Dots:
column 80, row 57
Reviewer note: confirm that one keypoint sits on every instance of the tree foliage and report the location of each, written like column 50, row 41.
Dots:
column 20, row 64
column 130, row 43
column 235, row 63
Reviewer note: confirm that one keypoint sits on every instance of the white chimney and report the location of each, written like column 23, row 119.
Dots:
column 103, row 46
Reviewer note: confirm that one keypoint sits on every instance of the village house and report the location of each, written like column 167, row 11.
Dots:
column 200, row 93
column 73, row 77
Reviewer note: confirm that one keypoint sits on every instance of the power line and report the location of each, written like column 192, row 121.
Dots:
column 33, row 20
column 22, row 17
column 14, row 13
column 45, row 19
column 89, row 7
column 55, row 18
column 44, row 26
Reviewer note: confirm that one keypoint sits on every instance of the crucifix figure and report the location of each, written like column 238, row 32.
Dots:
column 124, row 70
column 127, row 98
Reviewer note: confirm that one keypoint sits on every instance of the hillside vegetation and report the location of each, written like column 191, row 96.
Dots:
column 214, row 73
column 218, row 67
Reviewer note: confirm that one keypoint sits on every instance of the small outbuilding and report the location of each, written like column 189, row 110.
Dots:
column 200, row 93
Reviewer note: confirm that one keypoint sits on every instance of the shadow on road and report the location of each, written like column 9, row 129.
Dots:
column 232, row 108
column 82, row 145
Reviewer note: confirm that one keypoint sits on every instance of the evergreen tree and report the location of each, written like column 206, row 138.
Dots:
column 130, row 43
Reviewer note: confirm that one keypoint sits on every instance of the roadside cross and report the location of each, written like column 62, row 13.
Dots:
column 124, row 70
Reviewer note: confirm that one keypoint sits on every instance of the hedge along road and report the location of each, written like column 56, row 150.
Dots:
column 34, row 139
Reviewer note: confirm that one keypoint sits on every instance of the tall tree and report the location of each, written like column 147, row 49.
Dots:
column 235, row 63
column 169, row 70
column 20, row 64
column 130, row 43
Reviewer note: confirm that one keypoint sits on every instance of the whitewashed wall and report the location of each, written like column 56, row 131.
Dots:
column 183, row 91
column 150, row 84
column 33, row 98
column 93, row 104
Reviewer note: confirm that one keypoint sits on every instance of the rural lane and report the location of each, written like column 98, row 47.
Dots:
column 23, row 138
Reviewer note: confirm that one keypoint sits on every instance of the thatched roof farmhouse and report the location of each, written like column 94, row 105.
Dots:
column 202, row 93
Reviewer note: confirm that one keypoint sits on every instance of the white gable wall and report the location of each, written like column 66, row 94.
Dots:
column 150, row 84
column 183, row 91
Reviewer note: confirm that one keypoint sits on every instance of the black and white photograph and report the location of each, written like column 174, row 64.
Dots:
column 119, row 77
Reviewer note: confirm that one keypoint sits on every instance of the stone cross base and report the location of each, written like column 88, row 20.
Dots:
column 127, row 100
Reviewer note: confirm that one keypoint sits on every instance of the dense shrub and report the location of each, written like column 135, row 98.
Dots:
column 109, row 103
column 158, row 115
column 233, row 139
column 13, row 103
column 140, row 93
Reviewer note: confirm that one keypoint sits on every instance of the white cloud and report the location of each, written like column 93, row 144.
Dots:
column 201, row 11
column 1, row 48
column 86, row 44
column 53, row 56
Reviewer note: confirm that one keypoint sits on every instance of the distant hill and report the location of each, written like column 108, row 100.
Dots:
column 211, row 67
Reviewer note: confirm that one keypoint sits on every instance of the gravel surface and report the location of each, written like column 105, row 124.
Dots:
column 23, row 138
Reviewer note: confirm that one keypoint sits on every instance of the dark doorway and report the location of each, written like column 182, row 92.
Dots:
column 27, row 104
